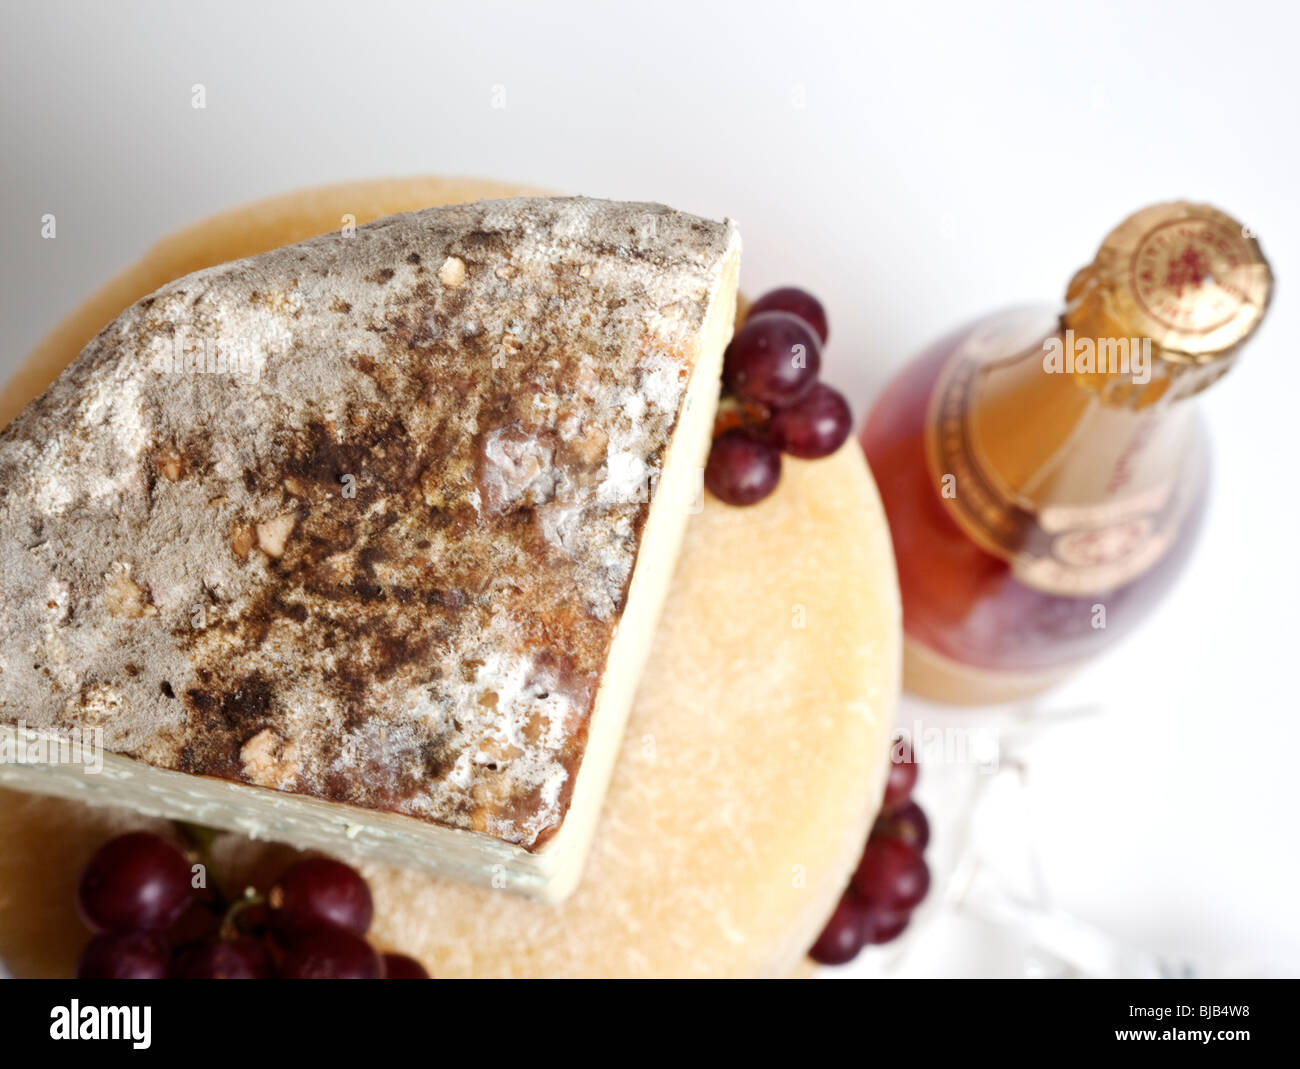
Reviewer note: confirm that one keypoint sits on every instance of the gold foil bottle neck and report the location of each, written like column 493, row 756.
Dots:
column 1188, row 277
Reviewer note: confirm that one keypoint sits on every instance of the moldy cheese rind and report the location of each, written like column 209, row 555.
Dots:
column 357, row 519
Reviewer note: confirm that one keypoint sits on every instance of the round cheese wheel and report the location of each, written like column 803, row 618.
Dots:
column 754, row 757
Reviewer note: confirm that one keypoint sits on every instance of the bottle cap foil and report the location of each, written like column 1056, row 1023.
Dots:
column 1187, row 276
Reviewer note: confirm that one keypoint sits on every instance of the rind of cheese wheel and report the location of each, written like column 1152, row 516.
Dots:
column 751, row 768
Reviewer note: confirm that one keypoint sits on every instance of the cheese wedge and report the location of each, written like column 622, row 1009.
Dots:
column 753, row 760
column 749, row 775
column 359, row 544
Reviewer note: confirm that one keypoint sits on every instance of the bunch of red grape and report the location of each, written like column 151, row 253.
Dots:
column 136, row 894
column 892, row 877
column 772, row 402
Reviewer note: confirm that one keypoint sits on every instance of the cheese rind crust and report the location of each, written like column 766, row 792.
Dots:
column 356, row 518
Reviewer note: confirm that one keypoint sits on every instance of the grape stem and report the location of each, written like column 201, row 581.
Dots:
column 198, row 841
column 230, row 921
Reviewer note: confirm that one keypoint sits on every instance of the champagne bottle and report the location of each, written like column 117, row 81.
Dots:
column 1045, row 471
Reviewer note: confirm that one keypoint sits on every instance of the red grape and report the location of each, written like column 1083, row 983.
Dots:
column 319, row 891
column 742, row 468
column 891, row 875
column 124, row 956
column 884, row 925
column 844, row 934
column 907, row 822
column 401, row 967
column 773, row 359
column 814, row 426
column 197, row 923
column 903, row 771
column 244, row 958
column 797, row 302
column 136, row 882
column 331, row 954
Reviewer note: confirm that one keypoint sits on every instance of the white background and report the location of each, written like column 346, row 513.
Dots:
column 914, row 165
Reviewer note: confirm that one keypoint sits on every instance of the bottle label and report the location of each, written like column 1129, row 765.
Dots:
column 1077, row 496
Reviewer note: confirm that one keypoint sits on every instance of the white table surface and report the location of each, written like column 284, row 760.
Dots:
column 914, row 165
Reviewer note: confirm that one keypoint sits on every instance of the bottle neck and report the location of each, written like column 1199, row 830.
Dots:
column 1059, row 437
column 1147, row 373
column 1048, row 471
